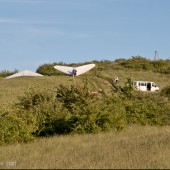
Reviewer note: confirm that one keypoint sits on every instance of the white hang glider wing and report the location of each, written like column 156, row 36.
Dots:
column 70, row 70
column 24, row 73
column 84, row 68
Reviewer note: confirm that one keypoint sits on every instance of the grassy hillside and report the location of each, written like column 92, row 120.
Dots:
column 10, row 89
column 133, row 148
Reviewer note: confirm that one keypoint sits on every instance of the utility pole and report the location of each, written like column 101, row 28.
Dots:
column 156, row 55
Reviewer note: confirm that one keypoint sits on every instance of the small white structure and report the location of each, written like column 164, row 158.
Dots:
column 145, row 86
column 24, row 73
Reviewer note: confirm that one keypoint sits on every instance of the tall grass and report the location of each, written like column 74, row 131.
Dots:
column 133, row 148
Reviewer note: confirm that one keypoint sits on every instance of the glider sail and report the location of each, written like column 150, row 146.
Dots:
column 24, row 73
column 74, row 71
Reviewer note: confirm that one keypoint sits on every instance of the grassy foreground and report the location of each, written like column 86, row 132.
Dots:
column 135, row 147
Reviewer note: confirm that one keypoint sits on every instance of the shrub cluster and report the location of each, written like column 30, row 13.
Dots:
column 15, row 126
column 48, row 69
column 138, row 62
column 73, row 109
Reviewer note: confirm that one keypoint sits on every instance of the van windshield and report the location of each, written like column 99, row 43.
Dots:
column 153, row 84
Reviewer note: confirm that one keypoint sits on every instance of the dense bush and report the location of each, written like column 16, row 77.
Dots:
column 161, row 66
column 74, row 95
column 48, row 69
column 85, row 111
column 72, row 109
column 30, row 117
column 46, row 110
column 147, row 111
column 137, row 62
column 14, row 127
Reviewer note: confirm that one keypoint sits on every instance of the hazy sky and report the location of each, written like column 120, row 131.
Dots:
column 34, row 32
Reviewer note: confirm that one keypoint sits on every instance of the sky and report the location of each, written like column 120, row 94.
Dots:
column 37, row 32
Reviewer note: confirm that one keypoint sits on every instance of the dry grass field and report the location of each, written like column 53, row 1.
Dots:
column 133, row 148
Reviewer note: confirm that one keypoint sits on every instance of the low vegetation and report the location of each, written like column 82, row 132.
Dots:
column 135, row 63
column 166, row 91
column 73, row 109
column 64, row 107
column 6, row 73
column 138, row 62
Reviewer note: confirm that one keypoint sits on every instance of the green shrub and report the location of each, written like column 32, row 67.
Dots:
column 48, row 69
column 35, row 96
column 128, row 89
column 78, row 101
column 114, row 107
column 149, row 109
column 13, row 128
column 74, row 95
column 137, row 62
column 166, row 91
column 46, row 110
column 161, row 66
column 72, row 109
column 89, row 113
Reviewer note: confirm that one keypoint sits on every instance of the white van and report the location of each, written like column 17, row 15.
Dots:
column 145, row 86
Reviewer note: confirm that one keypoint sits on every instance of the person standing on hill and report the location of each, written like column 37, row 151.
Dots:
column 115, row 79
column 74, row 72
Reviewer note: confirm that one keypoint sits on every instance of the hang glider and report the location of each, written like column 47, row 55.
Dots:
column 24, row 73
column 74, row 71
